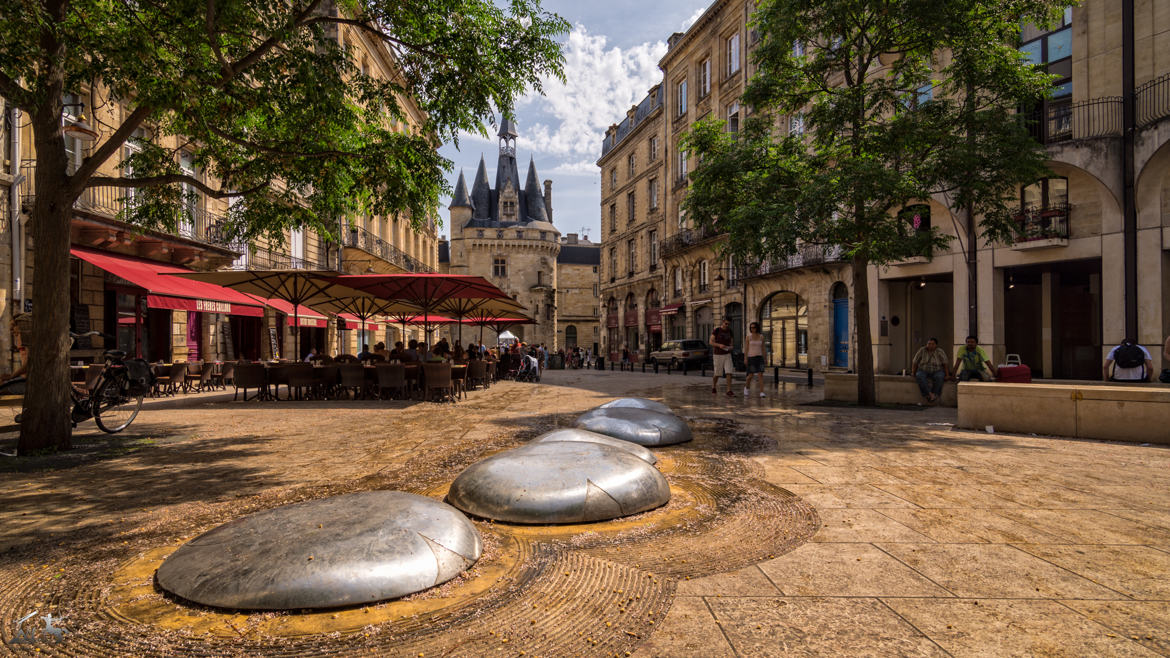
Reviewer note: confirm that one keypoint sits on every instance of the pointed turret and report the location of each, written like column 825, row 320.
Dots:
column 533, row 196
column 481, row 190
column 460, row 198
column 507, row 129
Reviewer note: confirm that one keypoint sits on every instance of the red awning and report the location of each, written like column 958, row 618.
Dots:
column 670, row 309
column 171, row 292
column 305, row 316
column 352, row 322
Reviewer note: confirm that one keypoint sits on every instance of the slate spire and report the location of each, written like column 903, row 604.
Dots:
column 533, row 195
column 481, row 190
column 460, row 198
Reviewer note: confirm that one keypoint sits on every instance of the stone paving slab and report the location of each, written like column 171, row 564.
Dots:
column 934, row 541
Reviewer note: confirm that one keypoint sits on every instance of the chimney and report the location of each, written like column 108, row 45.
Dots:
column 571, row 238
column 548, row 200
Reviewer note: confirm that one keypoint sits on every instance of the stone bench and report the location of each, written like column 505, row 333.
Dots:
column 890, row 389
column 1117, row 412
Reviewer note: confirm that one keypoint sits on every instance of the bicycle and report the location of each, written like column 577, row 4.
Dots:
column 117, row 393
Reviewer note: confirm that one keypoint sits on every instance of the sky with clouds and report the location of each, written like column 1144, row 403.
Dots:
column 611, row 61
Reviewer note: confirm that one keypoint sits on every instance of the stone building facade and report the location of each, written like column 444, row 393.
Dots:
column 1091, row 263
column 505, row 234
column 676, row 281
column 147, row 325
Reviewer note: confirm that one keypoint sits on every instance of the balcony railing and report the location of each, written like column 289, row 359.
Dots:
column 191, row 222
column 686, row 239
column 360, row 238
column 1153, row 100
column 806, row 256
column 1037, row 223
column 266, row 259
column 1062, row 122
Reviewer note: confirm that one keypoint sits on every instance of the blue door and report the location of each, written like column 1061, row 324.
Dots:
column 841, row 333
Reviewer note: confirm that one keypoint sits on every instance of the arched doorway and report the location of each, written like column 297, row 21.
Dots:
column 570, row 337
column 653, row 321
column 733, row 313
column 784, row 322
column 612, row 335
column 704, row 323
column 631, row 323
column 840, row 295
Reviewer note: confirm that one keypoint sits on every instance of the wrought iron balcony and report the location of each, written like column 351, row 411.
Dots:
column 806, row 256
column 360, row 238
column 686, row 239
column 1153, row 100
column 266, row 259
column 191, row 221
column 1048, row 225
column 1061, row 122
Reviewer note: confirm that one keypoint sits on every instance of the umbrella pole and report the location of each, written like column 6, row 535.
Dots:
column 296, row 332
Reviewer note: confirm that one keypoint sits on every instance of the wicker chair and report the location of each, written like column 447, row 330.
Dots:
column 346, row 358
column 352, row 378
column 303, row 379
column 392, row 378
column 178, row 378
column 227, row 373
column 437, row 377
column 194, row 380
column 248, row 376
column 476, row 374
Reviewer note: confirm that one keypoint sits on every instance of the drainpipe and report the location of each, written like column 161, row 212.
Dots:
column 17, row 225
column 1128, row 174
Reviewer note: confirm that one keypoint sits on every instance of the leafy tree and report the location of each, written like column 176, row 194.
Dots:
column 271, row 106
column 881, row 115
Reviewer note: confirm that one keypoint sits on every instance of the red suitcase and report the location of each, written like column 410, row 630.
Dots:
column 1014, row 374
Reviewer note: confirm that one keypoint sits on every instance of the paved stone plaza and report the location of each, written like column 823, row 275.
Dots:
column 905, row 537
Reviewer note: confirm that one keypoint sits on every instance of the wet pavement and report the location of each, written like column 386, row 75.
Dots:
column 926, row 540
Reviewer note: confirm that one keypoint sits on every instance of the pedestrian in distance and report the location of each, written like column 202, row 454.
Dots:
column 754, row 350
column 929, row 369
column 721, row 355
column 1130, row 362
column 974, row 362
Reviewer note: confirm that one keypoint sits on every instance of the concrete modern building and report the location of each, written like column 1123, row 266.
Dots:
column 1091, row 263
column 505, row 233
column 158, row 325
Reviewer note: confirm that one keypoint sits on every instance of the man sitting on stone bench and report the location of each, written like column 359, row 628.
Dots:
column 930, row 370
column 971, row 362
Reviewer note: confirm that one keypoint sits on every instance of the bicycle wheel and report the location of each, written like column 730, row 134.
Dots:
column 114, row 408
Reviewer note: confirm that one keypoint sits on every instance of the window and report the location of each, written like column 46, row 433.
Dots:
column 479, row 234
column 798, row 49
column 612, row 264
column 630, row 165
column 653, row 193
column 705, row 77
column 631, row 210
column 653, row 149
column 519, row 235
column 613, row 179
column 539, row 278
column 733, row 54
column 613, row 217
column 678, row 282
column 704, row 284
column 1045, row 194
column 190, row 198
column 682, row 216
column 653, row 248
column 680, row 164
column 73, row 145
column 632, row 255
column 796, row 124
column 681, row 98
column 733, row 117
column 543, row 235
column 595, row 293
column 499, row 235
column 499, row 267
column 508, row 209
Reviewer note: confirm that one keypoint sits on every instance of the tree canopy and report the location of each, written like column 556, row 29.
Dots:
column 270, row 106
column 859, row 108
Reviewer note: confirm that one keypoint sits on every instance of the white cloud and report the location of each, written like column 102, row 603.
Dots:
column 600, row 85
column 579, row 168
column 691, row 21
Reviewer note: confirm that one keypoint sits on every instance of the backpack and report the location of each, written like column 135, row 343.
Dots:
column 1129, row 355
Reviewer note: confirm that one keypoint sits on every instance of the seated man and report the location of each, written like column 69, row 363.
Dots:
column 1131, row 362
column 365, row 354
column 930, row 369
column 973, row 360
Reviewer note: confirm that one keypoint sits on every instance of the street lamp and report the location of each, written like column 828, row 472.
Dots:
column 79, row 127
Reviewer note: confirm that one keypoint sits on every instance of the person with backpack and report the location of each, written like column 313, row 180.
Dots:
column 1130, row 362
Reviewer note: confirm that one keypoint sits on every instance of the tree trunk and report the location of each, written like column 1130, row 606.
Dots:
column 866, row 388
column 46, row 420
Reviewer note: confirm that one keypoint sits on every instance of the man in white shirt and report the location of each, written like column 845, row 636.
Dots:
column 1131, row 363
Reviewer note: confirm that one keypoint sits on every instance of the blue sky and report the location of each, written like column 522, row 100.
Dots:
column 611, row 61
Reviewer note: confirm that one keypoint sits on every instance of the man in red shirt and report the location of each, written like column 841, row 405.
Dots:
column 721, row 342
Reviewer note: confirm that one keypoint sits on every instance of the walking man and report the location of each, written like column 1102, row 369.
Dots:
column 721, row 355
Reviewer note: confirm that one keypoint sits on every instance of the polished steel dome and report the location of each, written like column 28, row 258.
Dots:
column 584, row 436
column 641, row 426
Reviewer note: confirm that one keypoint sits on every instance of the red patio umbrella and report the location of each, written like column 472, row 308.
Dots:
column 497, row 325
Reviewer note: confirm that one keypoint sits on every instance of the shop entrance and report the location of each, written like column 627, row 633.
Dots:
column 1069, row 294
column 784, row 323
column 840, row 325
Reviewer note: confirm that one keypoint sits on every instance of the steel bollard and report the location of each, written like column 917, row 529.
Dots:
column 656, row 367
column 810, row 378
column 684, row 365
column 611, row 366
column 776, row 377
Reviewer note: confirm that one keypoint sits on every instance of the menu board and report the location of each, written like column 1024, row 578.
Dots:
column 274, row 342
column 225, row 334
column 80, row 326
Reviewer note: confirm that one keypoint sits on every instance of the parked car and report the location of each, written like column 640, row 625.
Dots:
column 674, row 353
